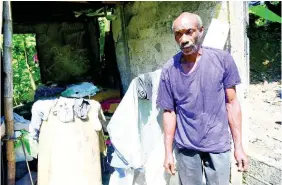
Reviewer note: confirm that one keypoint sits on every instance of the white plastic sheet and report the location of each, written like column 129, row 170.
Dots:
column 136, row 132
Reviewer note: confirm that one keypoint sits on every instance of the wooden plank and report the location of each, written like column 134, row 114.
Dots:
column 232, row 15
column 113, row 2
column 217, row 34
column 1, row 17
column 239, row 50
column 8, row 91
column 218, row 30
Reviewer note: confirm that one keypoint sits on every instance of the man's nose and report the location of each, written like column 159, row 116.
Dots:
column 185, row 39
column 185, row 42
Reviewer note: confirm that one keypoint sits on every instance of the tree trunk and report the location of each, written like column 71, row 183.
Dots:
column 8, row 91
column 32, row 82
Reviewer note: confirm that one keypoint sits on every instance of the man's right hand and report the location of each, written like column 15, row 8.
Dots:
column 169, row 164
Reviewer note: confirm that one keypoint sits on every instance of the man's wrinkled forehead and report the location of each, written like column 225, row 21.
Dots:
column 185, row 23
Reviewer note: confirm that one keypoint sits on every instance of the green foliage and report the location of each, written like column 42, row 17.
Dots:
column 89, row 12
column 24, row 138
column 260, row 22
column 102, row 26
column 265, row 48
column 23, row 91
column 264, row 13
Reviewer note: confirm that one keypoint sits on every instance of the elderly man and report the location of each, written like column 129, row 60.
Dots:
column 197, row 93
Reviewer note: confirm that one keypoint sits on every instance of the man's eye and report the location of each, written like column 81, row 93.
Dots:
column 177, row 34
column 189, row 32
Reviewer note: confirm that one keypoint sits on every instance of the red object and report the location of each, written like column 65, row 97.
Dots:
column 108, row 142
column 35, row 58
column 107, row 104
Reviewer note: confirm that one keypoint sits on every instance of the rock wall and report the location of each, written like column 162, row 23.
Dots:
column 68, row 52
column 262, row 171
column 143, row 36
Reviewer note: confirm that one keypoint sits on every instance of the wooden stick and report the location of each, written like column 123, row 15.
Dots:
column 8, row 91
column 1, row 16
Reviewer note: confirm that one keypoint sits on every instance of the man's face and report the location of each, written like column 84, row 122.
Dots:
column 187, row 35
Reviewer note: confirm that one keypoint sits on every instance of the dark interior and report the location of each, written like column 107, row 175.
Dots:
column 61, row 37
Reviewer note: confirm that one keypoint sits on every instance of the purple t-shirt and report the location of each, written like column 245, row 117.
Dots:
column 198, row 99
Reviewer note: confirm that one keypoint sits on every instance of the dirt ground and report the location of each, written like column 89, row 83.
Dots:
column 265, row 129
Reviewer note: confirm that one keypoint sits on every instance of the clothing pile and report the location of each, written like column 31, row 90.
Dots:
column 69, row 131
column 20, row 125
column 43, row 92
column 68, row 107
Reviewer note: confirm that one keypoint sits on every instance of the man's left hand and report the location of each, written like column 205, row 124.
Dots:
column 242, row 160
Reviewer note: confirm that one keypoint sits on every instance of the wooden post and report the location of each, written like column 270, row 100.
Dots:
column 1, row 16
column 8, row 91
column 238, row 15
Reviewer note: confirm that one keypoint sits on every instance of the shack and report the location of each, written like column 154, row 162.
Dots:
column 139, row 40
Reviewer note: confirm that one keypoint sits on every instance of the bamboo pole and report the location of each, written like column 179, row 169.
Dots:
column 8, row 91
column 1, row 18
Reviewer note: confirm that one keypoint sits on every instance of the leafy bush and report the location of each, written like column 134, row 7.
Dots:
column 26, row 73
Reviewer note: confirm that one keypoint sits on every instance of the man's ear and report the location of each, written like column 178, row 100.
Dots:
column 202, row 29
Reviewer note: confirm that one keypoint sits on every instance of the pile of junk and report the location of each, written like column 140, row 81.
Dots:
column 84, row 134
column 63, row 129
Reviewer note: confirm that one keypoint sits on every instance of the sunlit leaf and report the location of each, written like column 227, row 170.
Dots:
column 21, row 76
column 27, row 145
column 265, row 13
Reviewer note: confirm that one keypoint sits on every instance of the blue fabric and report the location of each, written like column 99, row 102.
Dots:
column 44, row 92
column 2, row 119
column 17, row 118
column 81, row 90
column 121, row 172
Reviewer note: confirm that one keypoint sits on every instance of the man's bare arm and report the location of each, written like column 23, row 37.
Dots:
column 169, row 120
column 235, row 123
column 234, row 117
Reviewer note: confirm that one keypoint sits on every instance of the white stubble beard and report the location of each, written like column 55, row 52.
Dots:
column 195, row 47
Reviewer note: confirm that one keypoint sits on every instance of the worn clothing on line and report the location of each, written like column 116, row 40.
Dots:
column 81, row 108
column 40, row 112
column 64, row 110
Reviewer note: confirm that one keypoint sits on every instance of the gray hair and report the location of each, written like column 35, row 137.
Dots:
column 199, row 21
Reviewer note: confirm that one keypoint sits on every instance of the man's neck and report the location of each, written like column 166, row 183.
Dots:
column 193, row 57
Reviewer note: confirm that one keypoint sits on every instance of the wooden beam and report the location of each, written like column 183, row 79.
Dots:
column 1, row 17
column 113, row 2
column 238, row 11
column 8, row 91
column 39, row 12
column 83, row 2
